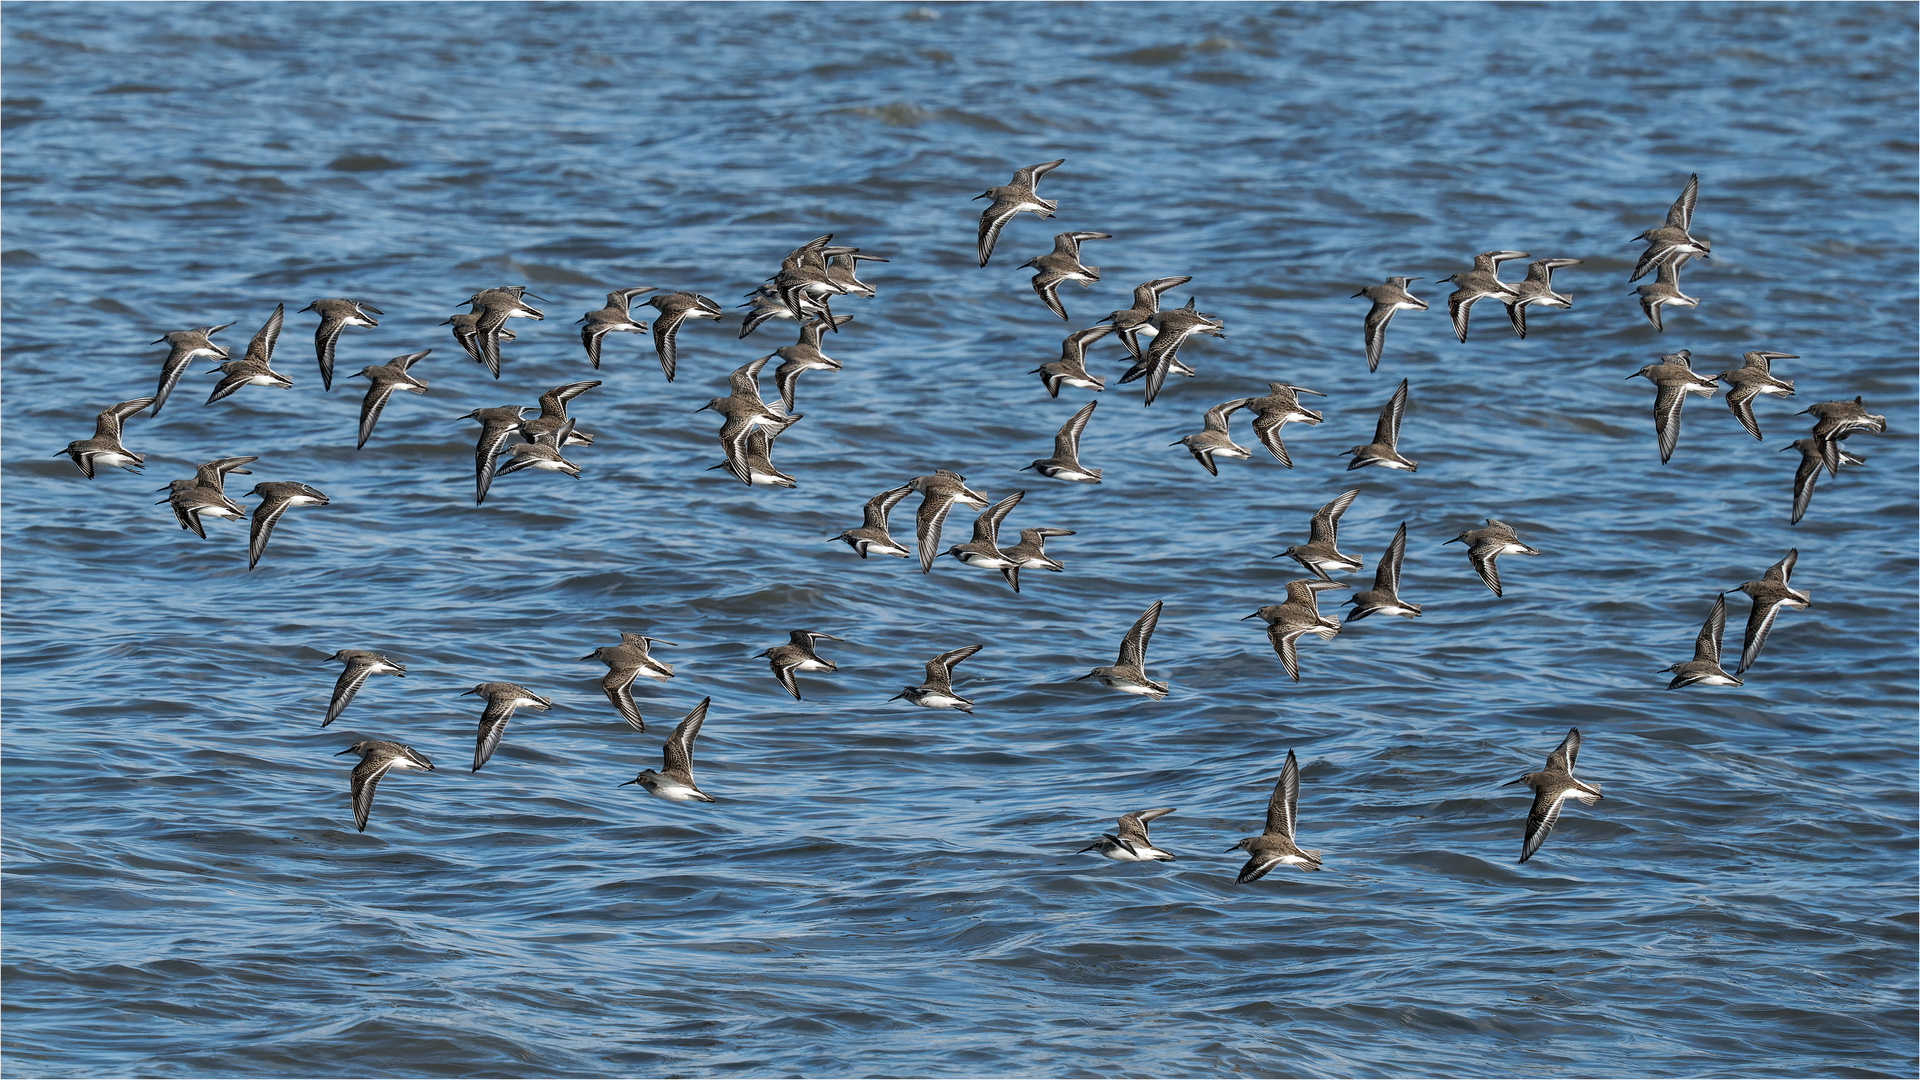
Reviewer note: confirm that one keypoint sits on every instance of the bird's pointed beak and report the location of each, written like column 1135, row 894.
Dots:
column 635, row 780
column 342, row 753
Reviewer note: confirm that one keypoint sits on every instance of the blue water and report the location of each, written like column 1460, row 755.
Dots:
column 884, row 890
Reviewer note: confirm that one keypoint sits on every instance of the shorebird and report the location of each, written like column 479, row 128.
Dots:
column 466, row 331
column 491, row 308
column 496, row 427
column 805, row 280
column 1537, row 289
column 1749, row 381
column 1128, row 842
column 798, row 655
column 1129, row 673
column 626, row 662
column 541, row 456
column 336, row 314
column 1384, row 597
column 843, row 270
column 766, row 303
column 1274, row 846
column 1771, row 593
column 983, row 551
column 1384, row 449
column 1296, row 617
column 382, row 381
column 1664, row 290
column 1137, row 321
column 357, row 666
column 1387, row 299
column 502, row 698
column 1065, row 462
column 1063, row 264
column 1488, row 544
column 184, row 346
column 213, row 474
column 1071, row 368
column 377, row 756
column 1012, row 198
column 803, row 356
column 676, row 308
column 743, row 411
column 1813, row 458
column 1213, row 439
column 1280, row 407
column 552, row 426
column 275, row 497
column 1479, row 283
column 940, row 491
column 937, row 691
column 192, row 500
column 1705, row 667
column 105, row 447
column 872, row 535
column 1031, row 554
column 1834, row 421
column 1675, row 377
column 674, row 781
column 616, row 315
column 1673, row 243
column 753, row 463
column 1552, row 787
column 1172, row 328
column 1321, row 552
column 255, row 367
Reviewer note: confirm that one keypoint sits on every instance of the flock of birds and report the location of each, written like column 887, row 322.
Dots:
column 802, row 290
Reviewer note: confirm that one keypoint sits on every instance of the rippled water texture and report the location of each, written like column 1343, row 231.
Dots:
column 888, row 890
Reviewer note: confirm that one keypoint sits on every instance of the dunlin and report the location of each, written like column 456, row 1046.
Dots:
column 1071, row 368
column 1552, row 787
column 183, row 348
column 502, row 698
column 627, row 661
column 1675, row 378
column 798, row 655
column 1384, row 449
column 275, row 498
column 1387, row 299
column 674, row 781
column 1010, row 199
column 377, row 756
column 1214, row 439
column 336, row 314
column 872, row 535
column 1770, row 594
column 1063, row 264
column 1274, row 846
column 255, row 367
column 1321, row 553
column 1384, row 597
column 1128, row 842
column 382, row 381
column 105, row 447
column 357, row 666
column 1280, row 407
column 1129, row 673
column 1488, row 544
column 1749, row 381
column 1479, row 283
column 1673, row 243
column 616, row 315
column 937, row 692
